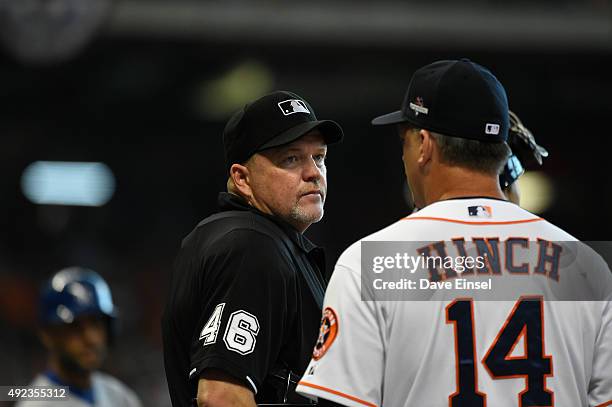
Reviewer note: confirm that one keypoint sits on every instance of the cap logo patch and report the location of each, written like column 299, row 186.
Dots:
column 293, row 106
column 480, row 211
column 327, row 333
column 418, row 107
column 491, row 128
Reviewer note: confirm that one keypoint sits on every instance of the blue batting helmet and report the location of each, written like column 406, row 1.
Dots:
column 73, row 292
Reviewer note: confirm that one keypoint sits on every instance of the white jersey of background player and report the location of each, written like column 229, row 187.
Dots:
column 462, row 353
column 77, row 320
column 108, row 391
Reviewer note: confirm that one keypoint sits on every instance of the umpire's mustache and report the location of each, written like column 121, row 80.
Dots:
column 316, row 188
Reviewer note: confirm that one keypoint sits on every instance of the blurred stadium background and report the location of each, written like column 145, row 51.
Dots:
column 144, row 87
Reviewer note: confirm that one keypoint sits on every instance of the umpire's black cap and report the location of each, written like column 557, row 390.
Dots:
column 271, row 121
column 456, row 98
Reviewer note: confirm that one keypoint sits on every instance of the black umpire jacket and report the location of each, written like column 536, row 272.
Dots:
column 245, row 297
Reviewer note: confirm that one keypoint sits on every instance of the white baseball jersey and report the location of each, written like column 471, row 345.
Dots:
column 107, row 392
column 461, row 352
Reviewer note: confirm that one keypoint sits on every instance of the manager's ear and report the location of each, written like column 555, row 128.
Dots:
column 426, row 148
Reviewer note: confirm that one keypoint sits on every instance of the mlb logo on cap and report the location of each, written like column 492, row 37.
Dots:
column 491, row 128
column 480, row 211
column 293, row 106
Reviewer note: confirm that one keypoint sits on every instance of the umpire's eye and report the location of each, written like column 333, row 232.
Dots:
column 319, row 159
column 292, row 159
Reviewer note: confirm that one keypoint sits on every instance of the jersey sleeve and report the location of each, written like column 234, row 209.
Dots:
column 347, row 363
column 244, row 308
column 600, row 386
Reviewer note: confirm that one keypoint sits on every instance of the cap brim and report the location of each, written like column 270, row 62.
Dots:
column 331, row 131
column 390, row 118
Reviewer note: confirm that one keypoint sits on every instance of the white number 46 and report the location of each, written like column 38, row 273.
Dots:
column 240, row 334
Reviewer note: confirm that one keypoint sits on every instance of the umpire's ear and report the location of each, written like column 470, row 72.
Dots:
column 239, row 181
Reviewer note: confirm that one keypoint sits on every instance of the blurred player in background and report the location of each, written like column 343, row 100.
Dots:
column 77, row 316
column 453, row 350
column 524, row 149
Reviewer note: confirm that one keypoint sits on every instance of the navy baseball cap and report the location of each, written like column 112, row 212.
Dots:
column 271, row 121
column 457, row 98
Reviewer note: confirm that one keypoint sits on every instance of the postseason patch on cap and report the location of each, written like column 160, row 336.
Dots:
column 418, row 106
column 480, row 211
column 293, row 106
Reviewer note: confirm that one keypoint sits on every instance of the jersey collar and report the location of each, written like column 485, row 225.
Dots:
column 465, row 197
column 473, row 197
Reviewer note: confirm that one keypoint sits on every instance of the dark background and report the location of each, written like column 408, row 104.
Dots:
column 140, row 95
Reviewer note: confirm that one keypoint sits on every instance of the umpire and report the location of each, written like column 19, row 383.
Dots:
column 246, row 291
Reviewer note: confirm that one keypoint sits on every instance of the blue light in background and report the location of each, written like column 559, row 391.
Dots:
column 68, row 183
